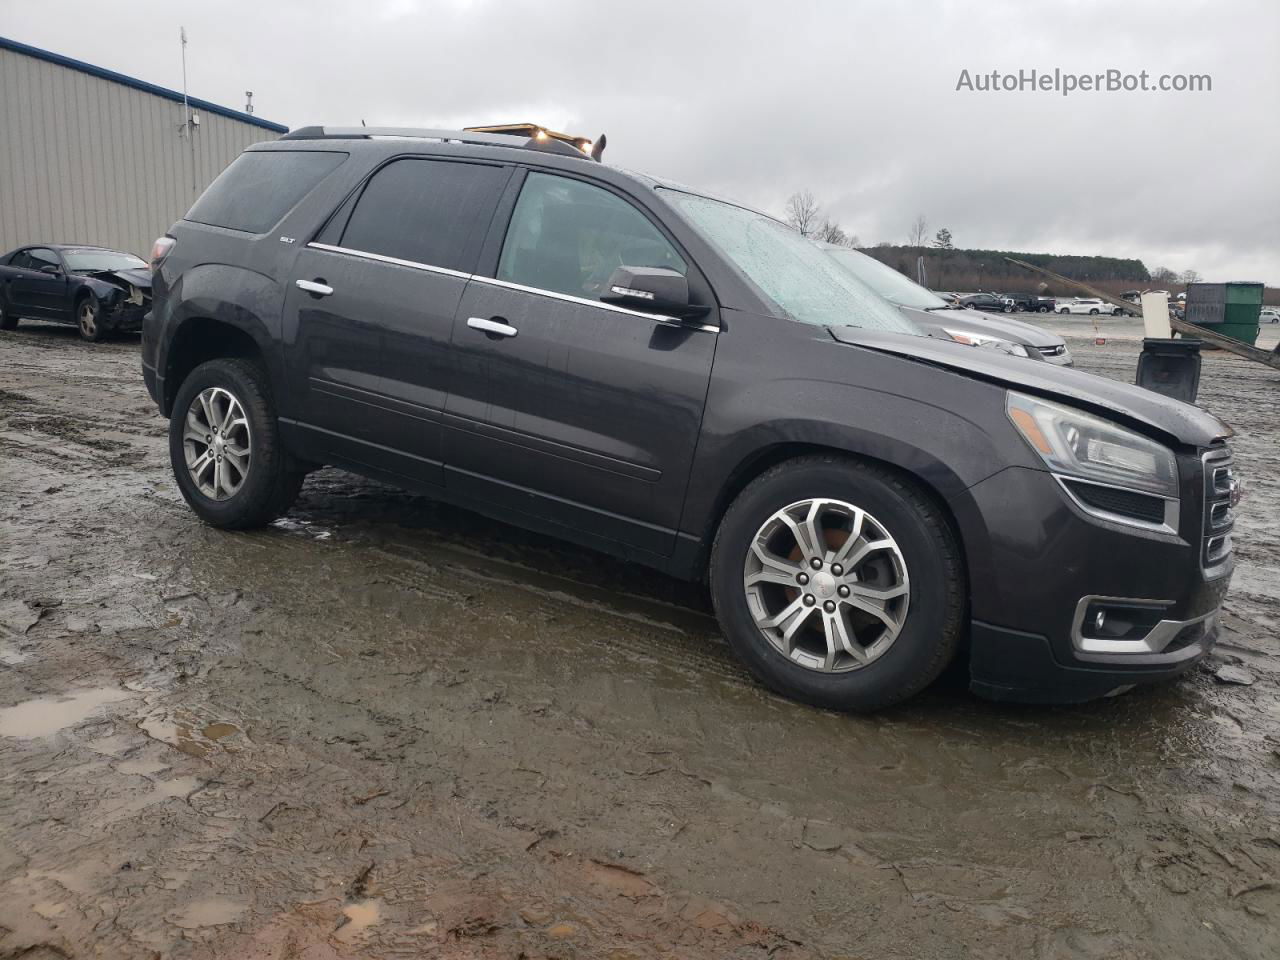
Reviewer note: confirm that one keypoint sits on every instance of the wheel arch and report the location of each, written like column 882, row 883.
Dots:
column 219, row 310
column 938, row 486
column 198, row 339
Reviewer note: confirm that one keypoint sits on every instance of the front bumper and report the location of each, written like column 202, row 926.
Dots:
column 1056, row 354
column 125, row 317
column 1010, row 665
column 1037, row 560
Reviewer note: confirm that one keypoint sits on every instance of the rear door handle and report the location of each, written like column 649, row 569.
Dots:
column 314, row 287
column 492, row 326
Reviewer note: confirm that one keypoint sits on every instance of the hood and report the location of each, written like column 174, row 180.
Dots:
column 1015, row 331
column 140, row 277
column 1183, row 422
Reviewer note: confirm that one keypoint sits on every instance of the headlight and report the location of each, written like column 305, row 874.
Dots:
column 1079, row 444
column 981, row 340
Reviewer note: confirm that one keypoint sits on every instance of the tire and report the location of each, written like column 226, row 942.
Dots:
column 1008, row 308
column 1042, row 310
column 925, row 556
column 1093, row 312
column 270, row 481
column 1064, row 310
column 89, row 321
column 7, row 320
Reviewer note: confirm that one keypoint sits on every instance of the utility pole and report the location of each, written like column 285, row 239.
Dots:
column 187, row 128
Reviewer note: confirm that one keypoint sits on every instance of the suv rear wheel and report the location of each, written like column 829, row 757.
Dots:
column 838, row 583
column 224, row 446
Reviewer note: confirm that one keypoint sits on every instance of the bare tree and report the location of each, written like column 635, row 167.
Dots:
column 831, row 233
column 853, row 241
column 918, row 231
column 803, row 213
column 1164, row 275
column 1190, row 276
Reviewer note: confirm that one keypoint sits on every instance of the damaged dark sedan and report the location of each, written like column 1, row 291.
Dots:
column 99, row 290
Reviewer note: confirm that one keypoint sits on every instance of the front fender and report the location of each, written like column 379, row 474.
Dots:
column 946, row 430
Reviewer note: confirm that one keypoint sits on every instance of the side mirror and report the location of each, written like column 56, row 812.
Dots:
column 651, row 290
column 51, row 268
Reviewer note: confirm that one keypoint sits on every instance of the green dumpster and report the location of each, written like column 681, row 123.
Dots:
column 1228, row 309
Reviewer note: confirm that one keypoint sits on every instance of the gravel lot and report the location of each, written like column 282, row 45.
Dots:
column 387, row 728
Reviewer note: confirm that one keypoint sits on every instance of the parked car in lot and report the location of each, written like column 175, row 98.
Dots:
column 1087, row 305
column 938, row 318
column 512, row 326
column 101, row 291
column 990, row 302
column 1269, row 315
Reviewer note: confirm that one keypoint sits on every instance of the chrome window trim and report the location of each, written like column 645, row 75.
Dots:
column 1171, row 505
column 538, row 291
column 1159, row 637
column 395, row 261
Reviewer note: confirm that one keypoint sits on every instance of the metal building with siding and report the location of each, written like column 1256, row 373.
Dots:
column 88, row 155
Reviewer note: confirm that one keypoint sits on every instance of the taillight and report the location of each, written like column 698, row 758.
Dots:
column 159, row 250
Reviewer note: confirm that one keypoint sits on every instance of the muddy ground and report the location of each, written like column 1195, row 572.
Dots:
column 387, row 728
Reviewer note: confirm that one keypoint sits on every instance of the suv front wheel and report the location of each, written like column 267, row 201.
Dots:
column 839, row 583
column 225, row 449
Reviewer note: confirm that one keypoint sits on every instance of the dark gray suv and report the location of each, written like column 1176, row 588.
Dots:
column 510, row 325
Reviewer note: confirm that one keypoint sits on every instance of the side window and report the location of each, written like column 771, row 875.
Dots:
column 568, row 237
column 20, row 260
column 39, row 258
column 260, row 186
column 423, row 210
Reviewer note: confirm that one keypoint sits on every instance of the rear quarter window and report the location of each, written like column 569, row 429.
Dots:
column 260, row 187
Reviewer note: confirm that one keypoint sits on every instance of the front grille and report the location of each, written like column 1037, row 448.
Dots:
column 1124, row 503
column 1219, row 518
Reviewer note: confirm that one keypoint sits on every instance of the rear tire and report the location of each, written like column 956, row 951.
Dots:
column 256, row 480
column 861, row 671
column 7, row 320
column 1093, row 312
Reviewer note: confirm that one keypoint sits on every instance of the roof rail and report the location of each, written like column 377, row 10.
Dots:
column 513, row 139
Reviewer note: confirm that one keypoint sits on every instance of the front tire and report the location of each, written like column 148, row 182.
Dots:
column 89, row 320
column 839, row 583
column 7, row 320
column 1043, row 310
column 225, row 449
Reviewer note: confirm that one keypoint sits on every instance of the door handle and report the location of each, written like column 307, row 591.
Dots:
column 494, row 326
column 315, row 287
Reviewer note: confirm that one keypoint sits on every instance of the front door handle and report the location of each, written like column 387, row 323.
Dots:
column 315, row 287
column 494, row 326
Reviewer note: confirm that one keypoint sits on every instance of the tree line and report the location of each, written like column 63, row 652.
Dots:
column 948, row 267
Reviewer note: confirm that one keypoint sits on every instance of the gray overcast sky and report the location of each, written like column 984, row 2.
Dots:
column 855, row 101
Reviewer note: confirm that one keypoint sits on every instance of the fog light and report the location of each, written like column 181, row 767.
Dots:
column 1121, row 619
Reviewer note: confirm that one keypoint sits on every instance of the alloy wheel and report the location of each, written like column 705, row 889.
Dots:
column 216, row 443
column 826, row 585
column 88, row 319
